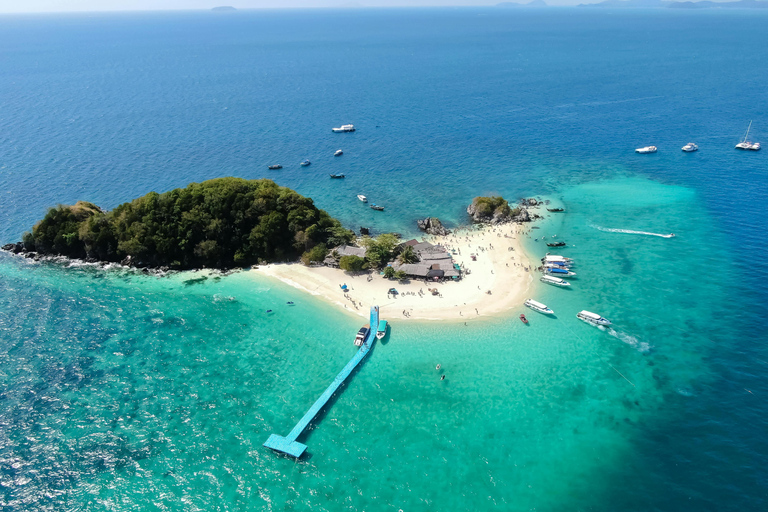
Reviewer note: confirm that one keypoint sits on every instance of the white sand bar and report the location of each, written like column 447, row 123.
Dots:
column 501, row 267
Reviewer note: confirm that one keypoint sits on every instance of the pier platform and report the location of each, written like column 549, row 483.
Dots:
column 288, row 444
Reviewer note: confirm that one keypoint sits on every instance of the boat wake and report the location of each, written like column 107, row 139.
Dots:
column 640, row 346
column 630, row 232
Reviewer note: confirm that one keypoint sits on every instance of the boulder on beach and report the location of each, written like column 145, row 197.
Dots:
column 496, row 210
column 432, row 226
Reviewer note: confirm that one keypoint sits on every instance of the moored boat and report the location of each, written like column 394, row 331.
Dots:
column 523, row 319
column 338, row 152
column 559, row 272
column 274, row 167
column 646, row 149
column 344, row 128
column 362, row 334
column 555, row 281
column 538, row 306
column 556, row 244
column 382, row 329
column 555, row 210
column 690, row 147
column 337, row 176
column 377, row 208
column 593, row 318
column 745, row 144
column 556, row 259
column 305, row 163
column 362, row 198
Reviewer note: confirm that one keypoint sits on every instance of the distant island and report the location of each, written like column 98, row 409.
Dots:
column 221, row 223
column 224, row 8
column 533, row 3
column 705, row 4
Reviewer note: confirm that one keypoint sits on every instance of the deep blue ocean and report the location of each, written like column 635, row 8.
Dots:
column 120, row 391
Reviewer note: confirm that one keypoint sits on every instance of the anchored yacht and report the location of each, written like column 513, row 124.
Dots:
column 745, row 144
column 646, row 149
column 362, row 198
column 338, row 152
column 690, row 147
column 592, row 318
column 538, row 306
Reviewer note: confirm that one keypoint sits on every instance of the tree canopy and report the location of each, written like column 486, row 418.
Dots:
column 220, row 223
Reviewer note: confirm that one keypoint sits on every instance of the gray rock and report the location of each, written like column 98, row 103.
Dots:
column 432, row 226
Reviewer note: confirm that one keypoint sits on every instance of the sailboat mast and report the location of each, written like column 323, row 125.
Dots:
column 746, row 136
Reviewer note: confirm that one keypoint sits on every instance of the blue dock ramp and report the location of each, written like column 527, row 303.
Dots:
column 288, row 444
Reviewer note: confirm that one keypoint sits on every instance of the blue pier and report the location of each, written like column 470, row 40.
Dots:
column 288, row 444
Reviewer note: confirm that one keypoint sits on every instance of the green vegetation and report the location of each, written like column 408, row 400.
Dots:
column 315, row 255
column 495, row 206
column 408, row 255
column 389, row 273
column 352, row 263
column 221, row 223
column 380, row 249
column 400, row 275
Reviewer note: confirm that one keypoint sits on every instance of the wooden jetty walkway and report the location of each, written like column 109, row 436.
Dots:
column 288, row 444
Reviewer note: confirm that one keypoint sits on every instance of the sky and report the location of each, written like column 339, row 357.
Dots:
column 19, row 6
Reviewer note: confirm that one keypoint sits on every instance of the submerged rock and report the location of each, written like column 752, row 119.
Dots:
column 432, row 226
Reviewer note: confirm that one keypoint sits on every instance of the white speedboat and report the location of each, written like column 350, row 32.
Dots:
column 592, row 318
column 559, row 272
column 556, row 281
column 362, row 198
column 538, row 306
column 745, row 144
column 690, row 147
column 646, row 149
column 554, row 258
column 338, row 152
column 344, row 128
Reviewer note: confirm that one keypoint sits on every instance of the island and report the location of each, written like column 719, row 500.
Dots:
column 221, row 223
column 224, row 8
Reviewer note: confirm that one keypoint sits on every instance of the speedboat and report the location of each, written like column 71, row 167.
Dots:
column 305, row 163
column 555, row 210
column 275, row 167
column 554, row 258
column 646, row 149
column 344, row 128
column 337, row 176
column 538, row 306
column 745, row 144
column 561, row 265
column 559, row 272
column 382, row 330
column 690, row 147
column 338, row 152
column 556, row 244
column 377, row 208
column 556, row 281
column 362, row 198
column 592, row 318
column 362, row 334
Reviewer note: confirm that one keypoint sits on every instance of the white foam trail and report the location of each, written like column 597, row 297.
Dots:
column 629, row 231
column 640, row 346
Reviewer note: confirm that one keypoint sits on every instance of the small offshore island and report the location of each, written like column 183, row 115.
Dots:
column 229, row 223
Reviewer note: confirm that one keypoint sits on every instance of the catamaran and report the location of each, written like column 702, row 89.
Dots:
column 538, row 306
column 745, row 144
column 556, row 281
column 593, row 318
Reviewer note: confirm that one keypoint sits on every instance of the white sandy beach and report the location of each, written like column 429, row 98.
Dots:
column 501, row 268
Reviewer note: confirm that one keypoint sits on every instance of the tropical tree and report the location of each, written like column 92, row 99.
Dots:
column 352, row 263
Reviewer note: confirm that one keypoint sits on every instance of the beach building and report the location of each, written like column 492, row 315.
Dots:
column 434, row 262
column 332, row 260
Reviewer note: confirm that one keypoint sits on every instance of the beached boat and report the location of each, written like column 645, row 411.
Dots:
column 523, row 319
column 338, row 152
column 337, row 176
column 592, row 318
column 556, row 244
column 690, row 147
column 559, row 272
column 377, row 208
column 344, row 128
column 538, row 306
column 556, row 259
column 362, row 334
column 555, row 281
column 275, row 167
column 555, row 210
column 382, row 330
column 556, row 265
column 305, row 163
column 646, row 149
column 745, row 144
column 362, row 198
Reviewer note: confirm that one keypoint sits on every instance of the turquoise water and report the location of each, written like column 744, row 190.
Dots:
column 122, row 391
